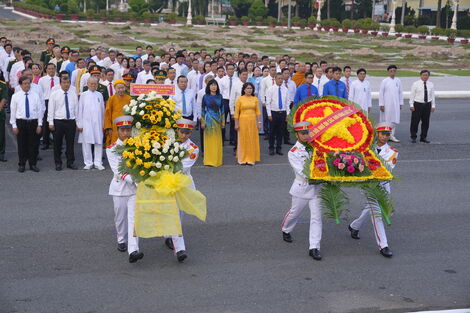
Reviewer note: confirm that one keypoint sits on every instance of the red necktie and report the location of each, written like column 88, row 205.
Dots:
column 347, row 86
column 110, row 89
column 273, row 80
column 309, row 92
column 52, row 82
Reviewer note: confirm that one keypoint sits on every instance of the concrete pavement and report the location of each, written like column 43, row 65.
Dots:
column 59, row 253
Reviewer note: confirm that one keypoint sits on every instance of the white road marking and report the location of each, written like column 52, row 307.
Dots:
column 445, row 311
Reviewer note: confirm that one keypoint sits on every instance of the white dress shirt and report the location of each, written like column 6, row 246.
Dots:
column 64, row 65
column 191, row 108
column 18, row 107
column 199, row 95
column 236, row 92
column 57, row 109
column 359, row 92
column 193, row 80
column 143, row 76
column 45, row 83
column 292, row 87
column 224, row 86
column 272, row 99
column 13, row 75
column 57, row 87
column 265, row 84
column 34, row 88
column 417, row 93
column 84, row 81
column 180, row 69
column 319, row 83
column 170, row 82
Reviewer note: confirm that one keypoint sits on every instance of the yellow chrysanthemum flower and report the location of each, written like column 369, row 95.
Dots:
column 142, row 173
column 148, row 164
column 129, row 141
column 131, row 155
column 128, row 163
column 139, row 161
column 138, row 152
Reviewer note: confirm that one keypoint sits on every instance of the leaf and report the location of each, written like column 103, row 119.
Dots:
column 377, row 195
column 333, row 200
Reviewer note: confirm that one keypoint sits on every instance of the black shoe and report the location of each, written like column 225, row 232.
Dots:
column 271, row 152
column 21, row 168
column 135, row 256
column 286, row 237
column 122, row 247
column 169, row 243
column 39, row 158
column 72, row 167
column 2, row 159
column 354, row 232
column 386, row 252
column 58, row 167
column 181, row 256
column 45, row 147
column 231, row 143
column 425, row 141
column 279, row 152
column 34, row 168
column 315, row 254
column 413, row 140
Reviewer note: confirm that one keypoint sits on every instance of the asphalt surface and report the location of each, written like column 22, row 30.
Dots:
column 8, row 14
column 58, row 250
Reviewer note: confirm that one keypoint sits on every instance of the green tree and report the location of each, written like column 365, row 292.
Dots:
column 157, row 5
column 257, row 8
column 139, row 6
column 241, row 7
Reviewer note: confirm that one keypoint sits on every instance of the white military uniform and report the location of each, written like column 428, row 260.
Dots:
column 302, row 194
column 123, row 190
column 390, row 155
column 188, row 162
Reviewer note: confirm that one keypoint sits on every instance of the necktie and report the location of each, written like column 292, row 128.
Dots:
column 52, row 82
column 230, row 86
column 172, row 82
column 26, row 103
column 347, row 86
column 273, row 80
column 110, row 89
column 279, row 95
column 425, row 93
column 287, row 86
column 309, row 92
column 201, row 79
column 67, row 109
column 378, row 150
column 337, row 93
column 184, row 102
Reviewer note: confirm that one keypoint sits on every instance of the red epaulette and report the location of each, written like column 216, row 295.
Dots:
column 293, row 149
column 393, row 148
column 110, row 146
column 193, row 145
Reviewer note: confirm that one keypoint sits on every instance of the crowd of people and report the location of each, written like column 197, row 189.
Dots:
column 234, row 97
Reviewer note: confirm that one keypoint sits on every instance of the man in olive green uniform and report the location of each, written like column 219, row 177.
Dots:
column 46, row 55
column 95, row 71
column 3, row 100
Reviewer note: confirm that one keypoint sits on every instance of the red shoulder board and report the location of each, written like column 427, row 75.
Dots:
column 393, row 149
column 193, row 145
column 111, row 145
column 293, row 149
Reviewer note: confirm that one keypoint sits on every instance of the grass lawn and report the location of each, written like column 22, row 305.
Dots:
column 455, row 72
column 400, row 73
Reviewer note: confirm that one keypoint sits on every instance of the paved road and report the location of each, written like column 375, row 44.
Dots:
column 58, row 250
column 7, row 14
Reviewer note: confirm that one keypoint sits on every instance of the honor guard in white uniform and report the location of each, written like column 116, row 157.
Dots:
column 185, row 129
column 389, row 155
column 123, row 190
column 303, row 193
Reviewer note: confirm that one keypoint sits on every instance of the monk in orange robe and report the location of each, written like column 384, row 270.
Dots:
column 299, row 76
column 114, row 109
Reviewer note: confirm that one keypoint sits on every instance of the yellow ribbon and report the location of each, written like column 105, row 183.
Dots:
column 159, row 200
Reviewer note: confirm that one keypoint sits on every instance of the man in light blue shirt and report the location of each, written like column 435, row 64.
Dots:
column 306, row 90
column 335, row 87
column 185, row 99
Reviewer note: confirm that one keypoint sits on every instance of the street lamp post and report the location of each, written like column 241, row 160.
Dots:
column 289, row 13
column 454, row 18
column 319, row 13
column 392, row 23
column 189, row 20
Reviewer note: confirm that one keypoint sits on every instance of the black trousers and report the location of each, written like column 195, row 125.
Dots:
column 277, row 126
column 28, row 141
column 67, row 129
column 45, row 127
column 2, row 133
column 232, row 136
column 286, row 132
column 265, row 122
column 422, row 113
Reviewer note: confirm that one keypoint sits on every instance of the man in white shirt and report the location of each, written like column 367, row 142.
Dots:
column 277, row 107
column 63, row 108
column 18, row 66
column 47, row 83
column 181, row 69
column 185, row 99
column 292, row 88
column 194, row 75
column 110, row 59
column 26, row 115
column 226, row 86
column 220, row 73
column 65, row 51
column 359, row 91
column 422, row 103
column 5, row 58
column 237, row 89
column 109, row 79
column 346, row 79
column 144, row 75
column 171, row 80
column 391, row 100
column 320, row 80
column 148, row 50
column 265, row 84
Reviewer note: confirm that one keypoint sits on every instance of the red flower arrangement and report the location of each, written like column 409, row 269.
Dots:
column 349, row 162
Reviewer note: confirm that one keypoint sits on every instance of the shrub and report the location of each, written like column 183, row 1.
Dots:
column 245, row 19
column 346, row 23
column 302, row 22
column 170, row 17
column 465, row 33
column 436, row 31
column 410, row 29
column 312, row 20
column 385, row 28
column 335, row 23
column 271, row 20
column 423, row 30
column 199, row 19
column 232, row 18
column 451, row 33
column 256, row 9
column 399, row 28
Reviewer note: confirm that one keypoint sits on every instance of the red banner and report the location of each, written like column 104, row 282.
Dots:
column 163, row 90
column 331, row 120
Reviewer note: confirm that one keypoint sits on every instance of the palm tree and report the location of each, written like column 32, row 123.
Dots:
column 438, row 16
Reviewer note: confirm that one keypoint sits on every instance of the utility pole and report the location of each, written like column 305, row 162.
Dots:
column 403, row 8
column 289, row 13
column 189, row 20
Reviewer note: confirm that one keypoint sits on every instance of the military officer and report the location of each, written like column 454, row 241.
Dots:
column 389, row 155
column 160, row 77
column 46, row 55
column 95, row 71
column 123, row 190
column 128, row 79
column 303, row 193
column 185, row 129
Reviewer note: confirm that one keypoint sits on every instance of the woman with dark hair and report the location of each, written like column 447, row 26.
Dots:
column 37, row 71
column 241, row 66
column 247, row 124
column 212, row 121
